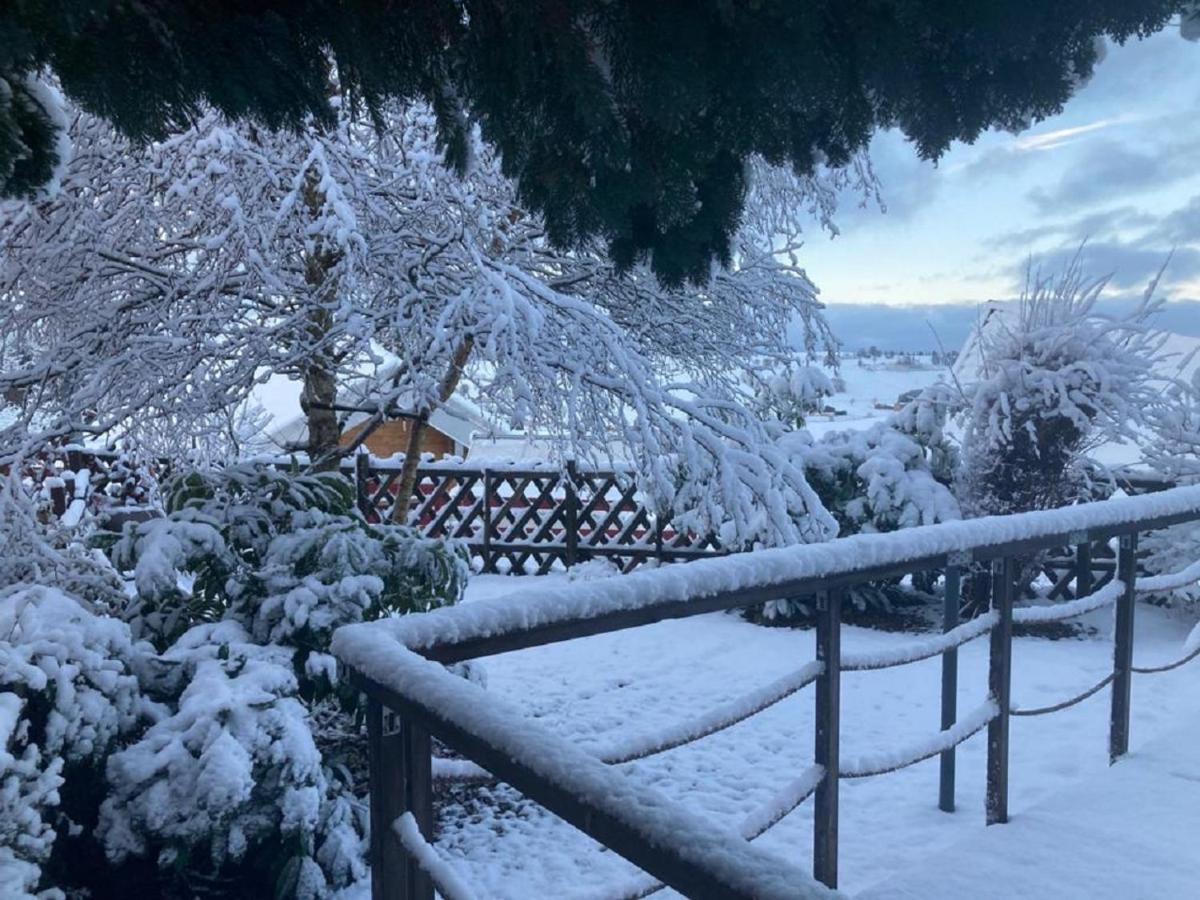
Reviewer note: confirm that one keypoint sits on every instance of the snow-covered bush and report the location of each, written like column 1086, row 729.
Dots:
column 36, row 549
column 231, row 786
column 1055, row 380
column 1174, row 454
column 284, row 554
column 872, row 480
column 70, row 694
column 28, row 792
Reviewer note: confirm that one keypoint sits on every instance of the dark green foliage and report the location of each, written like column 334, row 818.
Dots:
column 624, row 120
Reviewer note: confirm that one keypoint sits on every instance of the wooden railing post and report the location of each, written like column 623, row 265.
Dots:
column 1118, row 734
column 827, row 750
column 950, row 604
column 571, row 517
column 401, row 781
column 486, row 515
column 1000, row 687
column 362, row 490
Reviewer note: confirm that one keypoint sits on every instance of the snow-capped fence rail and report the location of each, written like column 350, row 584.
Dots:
column 532, row 518
column 412, row 697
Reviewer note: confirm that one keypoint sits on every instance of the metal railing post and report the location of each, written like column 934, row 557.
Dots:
column 1000, row 687
column 1118, row 734
column 950, row 603
column 401, row 780
column 827, row 752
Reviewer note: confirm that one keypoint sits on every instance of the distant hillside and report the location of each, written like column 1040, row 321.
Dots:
column 907, row 328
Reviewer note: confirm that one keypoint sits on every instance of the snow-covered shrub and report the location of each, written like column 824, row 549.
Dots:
column 71, row 694
column 872, row 480
column 28, row 792
column 1055, row 380
column 285, row 555
column 1174, row 454
column 231, row 787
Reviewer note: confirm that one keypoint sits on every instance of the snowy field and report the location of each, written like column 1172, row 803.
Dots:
column 870, row 384
column 638, row 679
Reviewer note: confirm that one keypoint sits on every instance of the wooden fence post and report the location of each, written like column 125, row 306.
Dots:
column 827, row 750
column 362, row 491
column 486, row 550
column 1000, row 686
column 950, row 603
column 1118, row 734
column 1083, row 567
column 571, row 517
column 401, row 781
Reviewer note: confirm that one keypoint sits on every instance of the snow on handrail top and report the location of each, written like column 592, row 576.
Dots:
column 710, row 847
column 542, row 606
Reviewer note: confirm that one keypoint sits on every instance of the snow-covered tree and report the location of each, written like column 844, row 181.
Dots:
column 162, row 283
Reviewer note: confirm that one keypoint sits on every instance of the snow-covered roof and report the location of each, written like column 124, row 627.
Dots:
column 286, row 427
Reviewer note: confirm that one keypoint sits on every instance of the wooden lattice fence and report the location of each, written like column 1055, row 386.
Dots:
column 533, row 520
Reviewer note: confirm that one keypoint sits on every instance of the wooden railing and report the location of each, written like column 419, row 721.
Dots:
column 534, row 519
column 412, row 698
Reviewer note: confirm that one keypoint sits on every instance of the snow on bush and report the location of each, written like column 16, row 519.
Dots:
column 232, row 777
column 872, row 480
column 69, row 694
column 28, row 791
column 1175, row 455
column 1056, row 379
column 283, row 554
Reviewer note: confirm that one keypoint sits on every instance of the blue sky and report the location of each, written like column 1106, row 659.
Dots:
column 1119, row 167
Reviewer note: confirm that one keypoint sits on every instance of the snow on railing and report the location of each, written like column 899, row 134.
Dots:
column 532, row 753
column 544, row 606
column 757, row 823
column 647, row 744
column 893, row 760
column 667, row 842
column 447, row 881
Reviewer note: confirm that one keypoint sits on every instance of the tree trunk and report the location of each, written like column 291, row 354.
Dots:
column 412, row 453
column 324, row 431
column 320, row 375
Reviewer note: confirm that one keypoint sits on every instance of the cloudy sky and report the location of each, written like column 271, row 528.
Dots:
column 1119, row 168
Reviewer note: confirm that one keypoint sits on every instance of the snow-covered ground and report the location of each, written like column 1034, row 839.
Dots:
column 1132, row 835
column 508, row 847
column 870, row 384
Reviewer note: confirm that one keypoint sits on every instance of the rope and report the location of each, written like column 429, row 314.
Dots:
column 1059, row 612
column 643, row 746
column 1152, row 670
column 440, row 872
column 882, row 764
column 1078, row 698
column 915, row 652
